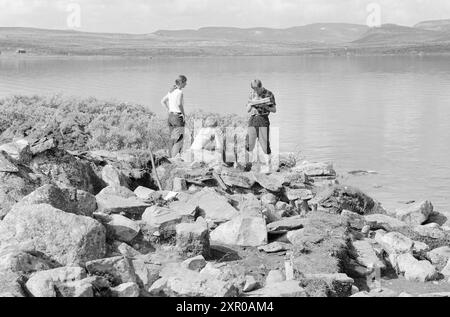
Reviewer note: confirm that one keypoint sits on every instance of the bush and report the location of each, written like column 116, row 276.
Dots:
column 89, row 124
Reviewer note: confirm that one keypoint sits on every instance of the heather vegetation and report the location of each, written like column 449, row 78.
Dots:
column 91, row 124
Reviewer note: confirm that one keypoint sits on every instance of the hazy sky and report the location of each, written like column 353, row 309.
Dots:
column 144, row 16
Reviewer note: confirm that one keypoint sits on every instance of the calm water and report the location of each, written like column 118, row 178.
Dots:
column 387, row 114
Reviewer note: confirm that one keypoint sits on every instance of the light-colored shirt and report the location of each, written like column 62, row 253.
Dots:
column 175, row 100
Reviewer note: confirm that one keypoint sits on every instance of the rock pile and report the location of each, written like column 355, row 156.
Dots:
column 79, row 225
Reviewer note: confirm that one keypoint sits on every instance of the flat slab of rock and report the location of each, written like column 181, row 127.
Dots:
column 144, row 193
column 126, row 290
column 415, row 214
column 298, row 194
column 9, row 285
column 18, row 150
column 285, row 225
column 439, row 256
column 63, row 237
column 163, row 219
column 131, row 207
column 213, row 206
column 283, row 289
column 241, row 231
column 272, row 182
column 6, row 164
column 17, row 261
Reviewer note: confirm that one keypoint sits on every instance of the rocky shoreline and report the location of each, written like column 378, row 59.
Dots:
column 94, row 224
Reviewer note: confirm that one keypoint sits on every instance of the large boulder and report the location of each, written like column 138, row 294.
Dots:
column 285, row 225
column 63, row 237
column 415, row 214
column 241, row 231
column 163, row 220
column 439, row 257
column 337, row 198
column 366, row 255
column 237, row 179
column 272, row 183
column 395, row 243
column 16, row 182
column 70, row 200
column 64, row 168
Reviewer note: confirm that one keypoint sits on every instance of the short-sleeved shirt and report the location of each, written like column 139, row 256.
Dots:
column 262, row 118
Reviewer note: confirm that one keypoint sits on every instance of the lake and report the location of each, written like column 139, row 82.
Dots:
column 390, row 115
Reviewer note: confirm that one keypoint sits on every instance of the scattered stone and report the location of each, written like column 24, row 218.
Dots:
column 420, row 248
column 113, row 177
column 415, row 214
column 286, row 225
column 44, row 283
column 17, row 261
column 195, row 264
column 118, row 191
column 315, row 169
column 179, row 184
column 131, row 207
column 18, row 150
column 65, row 238
column 193, row 238
column 419, row 271
column 354, row 220
column 269, row 199
column 126, row 290
column 236, row 179
column 9, row 285
column 189, row 209
column 305, row 237
column 283, row 289
column 337, row 198
column 164, row 220
column 144, row 193
column 275, row 247
column 187, row 283
column 339, row 284
column 379, row 221
column 365, row 230
column 77, row 289
column 298, row 194
column 275, row 277
column 213, row 206
column 69, row 200
column 439, row 257
column 395, row 243
column 241, row 231
column 118, row 268
column 250, row 284
column 270, row 182
column 429, row 232
column 127, row 251
column 122, row 228
column 366, row 255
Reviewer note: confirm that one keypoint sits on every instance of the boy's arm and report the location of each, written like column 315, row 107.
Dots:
column 164, row 102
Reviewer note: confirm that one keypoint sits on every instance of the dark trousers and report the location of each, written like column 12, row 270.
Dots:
column 176, row 126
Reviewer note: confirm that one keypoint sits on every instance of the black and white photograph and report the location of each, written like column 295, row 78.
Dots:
column 224, row 154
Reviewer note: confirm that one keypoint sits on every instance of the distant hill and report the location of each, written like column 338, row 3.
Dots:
column 330, row 33
column 392, row 34
column 438, row 25
column 429, row 37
